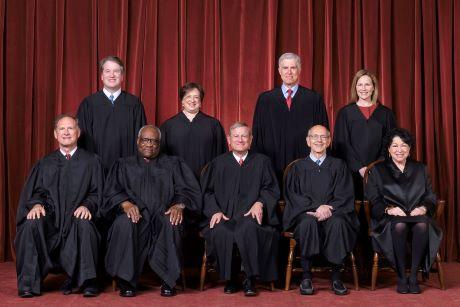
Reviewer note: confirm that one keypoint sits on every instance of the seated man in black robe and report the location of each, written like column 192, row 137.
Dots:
column 55, row 226
column 146, row 195
column 320, row 209
column 240, row 194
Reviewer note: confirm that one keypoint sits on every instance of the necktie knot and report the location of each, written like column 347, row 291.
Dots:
column 68, row 156
column 318, row 162
column 112, row 98
column 240, row 161
column 289, row 91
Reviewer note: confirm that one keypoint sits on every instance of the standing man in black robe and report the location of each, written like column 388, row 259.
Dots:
column 146, row 195
column 191, row 134
column 240, row 195
column 283, row 116
column 320, row 209
column 110, row 118
column 55, row 226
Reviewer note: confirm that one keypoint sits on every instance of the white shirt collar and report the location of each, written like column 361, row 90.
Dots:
column 314, row 159
column 115, row 94
column 238, row 157
column 294, row 89
column 70, row 153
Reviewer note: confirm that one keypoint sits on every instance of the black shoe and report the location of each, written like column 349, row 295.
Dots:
column 249, row 287
column 230, row 287
column 90, row 288
column 25, row 294
column 402, row 287
column 338, row 287
column 306, row 287
column 66, row 287
column 167, row 290
column 414, row 288
column 126, row 290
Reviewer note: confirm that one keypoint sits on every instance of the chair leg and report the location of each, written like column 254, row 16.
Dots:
column 375, row 271
column 114, row 284
column 183, row 280
column 355, row 271
column 292, row 244
column 440, row 272
column 203, row 270
column 272, row 286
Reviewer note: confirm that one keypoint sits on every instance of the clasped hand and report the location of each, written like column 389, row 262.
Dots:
column 322, row 213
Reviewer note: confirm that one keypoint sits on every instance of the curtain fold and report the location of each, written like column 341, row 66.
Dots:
column 50, row 51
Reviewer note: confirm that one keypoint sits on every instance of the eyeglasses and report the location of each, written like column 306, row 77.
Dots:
column 192, row 97
column 317, row 137
column 145, row 141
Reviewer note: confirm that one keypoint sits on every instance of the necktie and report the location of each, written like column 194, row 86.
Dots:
column 112, row 99
column 68, row 156
column 240, row 161
column 289, row 99
column 318, row 162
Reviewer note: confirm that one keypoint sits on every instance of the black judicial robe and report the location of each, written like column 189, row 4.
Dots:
column 197, row 141
column 153, row 186
column 59, row 239
column 110, row 130
column 233, row 189
column 309, row 186
column 387, row 185
column 281, row 133
column 358, row 140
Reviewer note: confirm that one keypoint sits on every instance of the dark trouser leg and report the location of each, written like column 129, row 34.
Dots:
column 306, row 266
column 32, row 258
column 79, row 253
column 419, row 245
column 399, row 234
column 127, row 248
column 219, row 244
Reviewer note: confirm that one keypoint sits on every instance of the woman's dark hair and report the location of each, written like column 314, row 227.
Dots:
column 403, row 134
column 190, row 86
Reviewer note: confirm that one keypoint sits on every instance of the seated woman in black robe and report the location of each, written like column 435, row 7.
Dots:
column 192, row 135
column 403, row 204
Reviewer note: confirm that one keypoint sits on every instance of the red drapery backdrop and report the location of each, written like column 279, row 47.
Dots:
column 50, row 49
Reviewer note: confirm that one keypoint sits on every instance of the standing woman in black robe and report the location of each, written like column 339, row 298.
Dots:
column 192, row 135
column 403, row 204
column 361, row 126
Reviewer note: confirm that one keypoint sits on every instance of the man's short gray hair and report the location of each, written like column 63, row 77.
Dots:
column 290, row 56
column 239, row 125
column 147, row 127
column 58, row 118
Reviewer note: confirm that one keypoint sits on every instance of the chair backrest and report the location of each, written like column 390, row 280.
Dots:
column 282, row 202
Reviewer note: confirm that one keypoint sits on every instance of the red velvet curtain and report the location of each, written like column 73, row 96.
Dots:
column 50, row 50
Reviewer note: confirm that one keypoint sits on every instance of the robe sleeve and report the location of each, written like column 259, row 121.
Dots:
column 389, row 124
column 210, row 204
column 186, row 187
column 140, row 121
column 343, row 195
column 269, row 193
column 257, row 139
column 93, row 199
column 221, row 140
column 429, row 198
column 85, row 122
column 320, row 113
column 342, row 143
column 374, row 194
column 115, row 191
column 297, row 201
column 33, row 193
column 164, row 138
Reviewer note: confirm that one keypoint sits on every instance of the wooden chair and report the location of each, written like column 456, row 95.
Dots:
column 379, row 257
column 205, row 267
column 292, row 243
